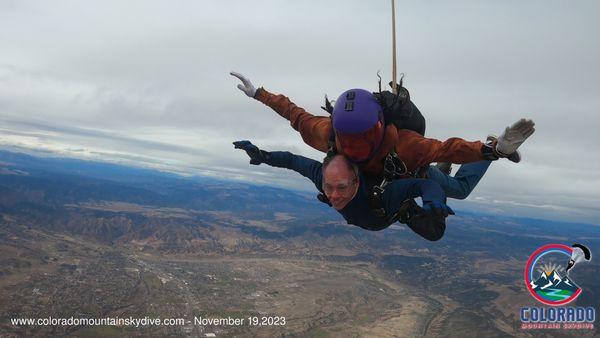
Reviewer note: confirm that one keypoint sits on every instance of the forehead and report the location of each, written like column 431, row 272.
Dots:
column 337, row 172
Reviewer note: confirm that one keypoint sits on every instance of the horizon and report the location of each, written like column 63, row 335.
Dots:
column 461, row 211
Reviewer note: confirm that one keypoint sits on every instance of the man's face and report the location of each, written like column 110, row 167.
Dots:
column 339, row 183
column 358, row 147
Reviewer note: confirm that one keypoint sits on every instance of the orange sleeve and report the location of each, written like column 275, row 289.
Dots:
column 314, row 130
column 423, row 151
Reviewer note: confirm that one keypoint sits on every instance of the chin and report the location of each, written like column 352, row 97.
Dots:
column 339, row 206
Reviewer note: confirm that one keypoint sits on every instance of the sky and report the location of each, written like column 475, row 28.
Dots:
column 147, row 83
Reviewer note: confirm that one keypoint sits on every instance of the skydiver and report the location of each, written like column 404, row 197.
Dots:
column 347, row 190
column 360, row 133
column 581, row 253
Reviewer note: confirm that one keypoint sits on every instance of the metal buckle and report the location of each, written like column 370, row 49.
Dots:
column 376, row 193
column 391, row 164
column 378, row 190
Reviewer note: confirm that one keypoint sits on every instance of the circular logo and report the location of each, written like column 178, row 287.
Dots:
column 546, row 284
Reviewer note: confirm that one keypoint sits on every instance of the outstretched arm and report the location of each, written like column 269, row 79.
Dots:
column 306, row 167
column 424, row 150
column 314, row 130
column 456, row 150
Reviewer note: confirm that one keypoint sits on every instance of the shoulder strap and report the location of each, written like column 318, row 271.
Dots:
column 331, row 148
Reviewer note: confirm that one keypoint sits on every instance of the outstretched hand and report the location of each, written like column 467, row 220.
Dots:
column 513, row 136
column 247, row 87
column 256, row 155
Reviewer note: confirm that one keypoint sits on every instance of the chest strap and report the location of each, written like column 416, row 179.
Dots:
column 393, row 168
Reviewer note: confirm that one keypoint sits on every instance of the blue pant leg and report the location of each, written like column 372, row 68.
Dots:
column 463, row 182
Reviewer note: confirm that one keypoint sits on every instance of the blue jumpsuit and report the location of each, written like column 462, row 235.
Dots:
column 358, row 210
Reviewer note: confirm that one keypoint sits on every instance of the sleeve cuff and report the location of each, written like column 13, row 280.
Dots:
column 260, row 94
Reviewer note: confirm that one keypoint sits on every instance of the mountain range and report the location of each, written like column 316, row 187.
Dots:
column 553, row 280
column 96, row 239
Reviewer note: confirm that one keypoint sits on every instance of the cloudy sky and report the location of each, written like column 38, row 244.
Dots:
column 146, row 83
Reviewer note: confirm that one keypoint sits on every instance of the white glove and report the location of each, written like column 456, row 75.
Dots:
column 514, row 136
column 247, row 86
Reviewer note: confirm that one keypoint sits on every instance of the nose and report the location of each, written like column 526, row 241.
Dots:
column 335, row 195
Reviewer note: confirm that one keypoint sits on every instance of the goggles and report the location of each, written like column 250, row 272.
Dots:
column 360, row 146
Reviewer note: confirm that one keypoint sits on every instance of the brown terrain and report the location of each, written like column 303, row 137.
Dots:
column 85, row 248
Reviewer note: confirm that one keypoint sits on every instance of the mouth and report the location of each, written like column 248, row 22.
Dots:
column 340, row 204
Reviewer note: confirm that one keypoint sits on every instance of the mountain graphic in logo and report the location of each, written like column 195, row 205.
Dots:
column 551, row 286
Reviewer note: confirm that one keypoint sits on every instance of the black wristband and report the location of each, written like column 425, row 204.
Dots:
column 256, row 92
column 488, row 152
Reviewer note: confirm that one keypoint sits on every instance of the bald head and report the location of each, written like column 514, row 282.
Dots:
column 340, row 180
column 340, row 162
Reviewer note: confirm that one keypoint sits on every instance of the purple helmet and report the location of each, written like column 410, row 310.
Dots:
column 356, row 111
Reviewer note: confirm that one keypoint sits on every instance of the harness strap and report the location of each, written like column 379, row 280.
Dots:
column 376, row 201
column 331, row 147
column 404, row 212
column 393, row 168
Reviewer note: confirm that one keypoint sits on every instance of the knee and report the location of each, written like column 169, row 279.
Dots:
column 462, row 193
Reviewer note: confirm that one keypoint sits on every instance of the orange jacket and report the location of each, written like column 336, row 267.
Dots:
column 412, row 148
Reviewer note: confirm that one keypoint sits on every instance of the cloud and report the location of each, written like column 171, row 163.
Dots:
column 91, row 81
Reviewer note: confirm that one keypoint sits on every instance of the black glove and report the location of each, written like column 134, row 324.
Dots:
column 437, row 208
column 430, row 221
column 427, row 225
column 256, row 155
